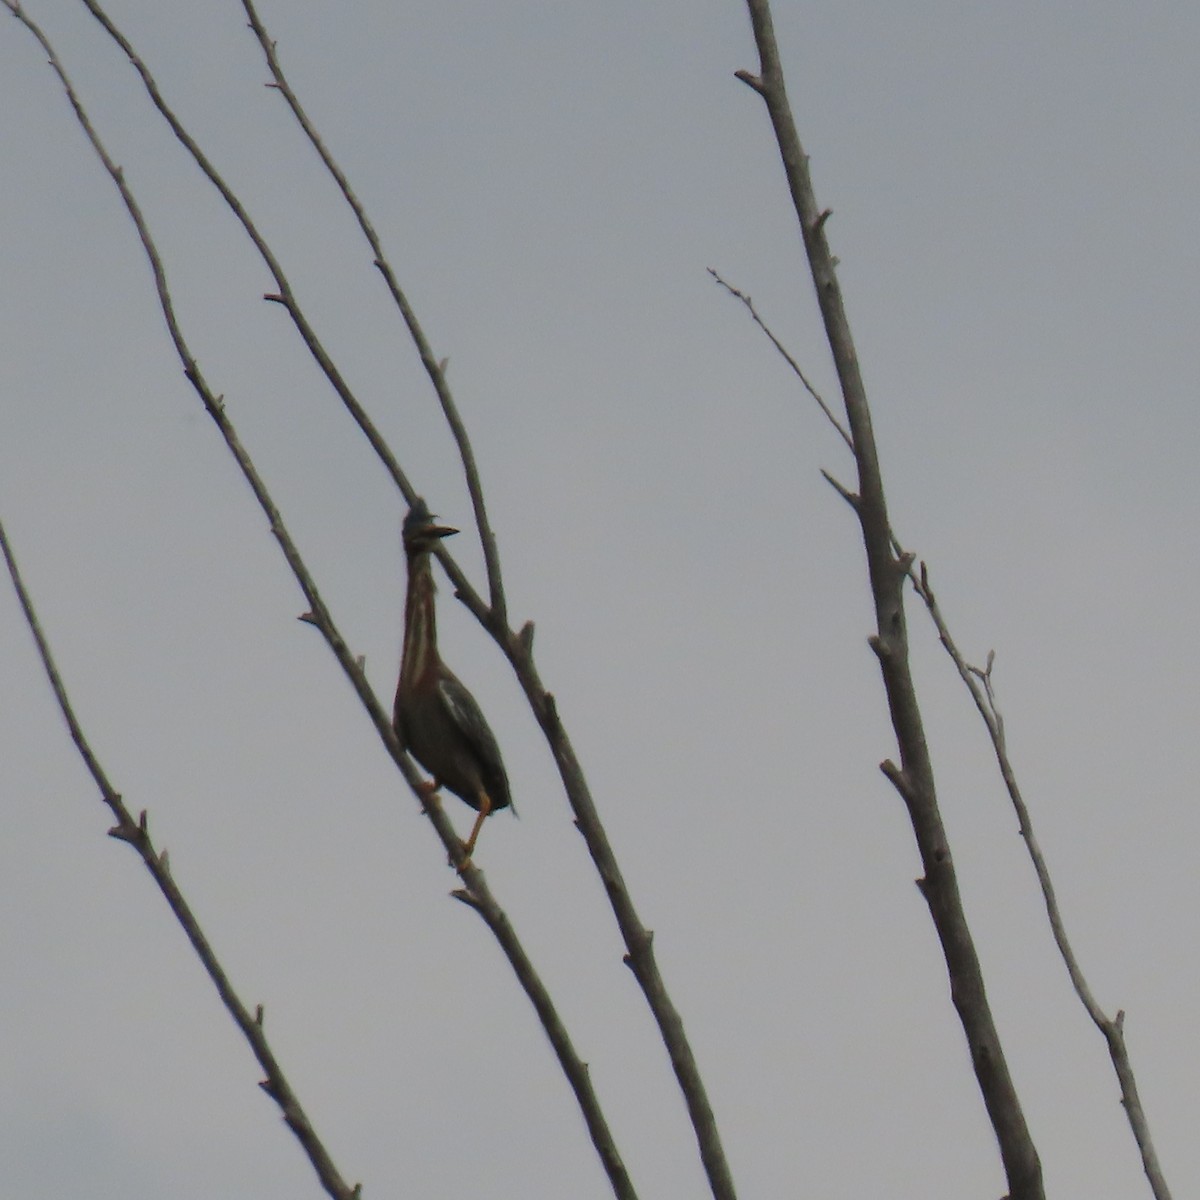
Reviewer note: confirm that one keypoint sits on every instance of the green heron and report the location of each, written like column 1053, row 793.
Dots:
column 436, row 719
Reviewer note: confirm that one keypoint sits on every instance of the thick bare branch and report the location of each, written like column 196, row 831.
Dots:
column 914, row 777
column 318, row 614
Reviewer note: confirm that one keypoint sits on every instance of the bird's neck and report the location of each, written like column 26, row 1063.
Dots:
column 420, row 621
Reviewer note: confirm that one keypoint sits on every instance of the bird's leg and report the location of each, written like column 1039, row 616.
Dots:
column 485, row 807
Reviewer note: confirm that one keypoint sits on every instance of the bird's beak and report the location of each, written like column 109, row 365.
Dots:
column 439, row 531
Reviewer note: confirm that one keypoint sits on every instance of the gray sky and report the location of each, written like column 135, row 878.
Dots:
column 1014, row 195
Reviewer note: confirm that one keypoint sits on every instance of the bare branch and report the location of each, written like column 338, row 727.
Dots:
column 436, row 370
column 979, row 683
column 285, row 297
column 666, row 1016
column 518, row 649
column 638, row 939
column 136, row 833
column 940, row 886
column 570, row 1062
column 843, row 491
column 791, row 362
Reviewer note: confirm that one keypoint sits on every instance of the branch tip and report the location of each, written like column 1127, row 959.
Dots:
column 883, row 649
column 467, row 897
column 851, row 498
column 898, row 778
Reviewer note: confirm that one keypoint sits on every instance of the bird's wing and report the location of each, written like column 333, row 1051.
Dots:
column 465, row 712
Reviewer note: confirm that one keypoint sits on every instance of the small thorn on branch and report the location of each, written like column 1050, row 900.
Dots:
column 750, row 80
column 259, row 1013
column 525, row 637
column 274, row 298
column 819, row 223
column 307, row 618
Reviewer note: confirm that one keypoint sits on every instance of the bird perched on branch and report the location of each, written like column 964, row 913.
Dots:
column 436, row 719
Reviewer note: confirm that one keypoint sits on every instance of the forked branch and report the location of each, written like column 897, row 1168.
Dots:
column 913, row 777
column 979, row 683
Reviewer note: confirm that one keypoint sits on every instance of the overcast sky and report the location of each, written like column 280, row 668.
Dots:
column 1014, row 191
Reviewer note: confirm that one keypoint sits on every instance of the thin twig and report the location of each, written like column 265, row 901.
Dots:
column 979, row 683
column 284, row 295
column 913, row 778
column 433, row 367
column 518, row 649
column 136, row 833
column 476, row 888
column 791, row 362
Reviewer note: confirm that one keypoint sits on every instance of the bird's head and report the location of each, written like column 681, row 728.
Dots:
column 421, row 531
